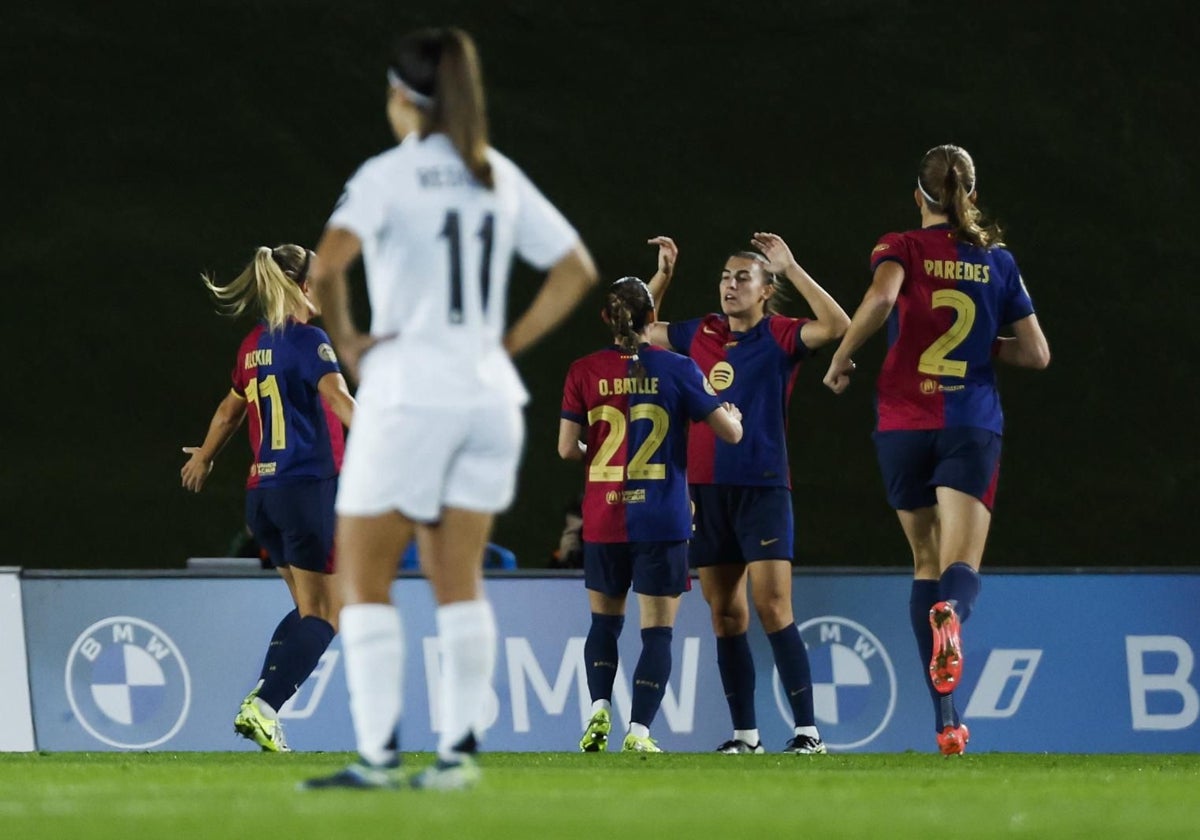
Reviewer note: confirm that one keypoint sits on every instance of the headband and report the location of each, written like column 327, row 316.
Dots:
column 418, row 99
column 930, row 198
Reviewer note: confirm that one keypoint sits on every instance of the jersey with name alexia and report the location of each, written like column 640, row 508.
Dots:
column 437, row 248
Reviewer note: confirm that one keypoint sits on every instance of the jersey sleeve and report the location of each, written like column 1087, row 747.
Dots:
column 1017, row 302
column 681, row 333
column 573, row 406
column 542, row 235
column 316, row 355
column 238, row 377
column 699, row 397
column 786, row 332
column 360, row 208
column 889, row 248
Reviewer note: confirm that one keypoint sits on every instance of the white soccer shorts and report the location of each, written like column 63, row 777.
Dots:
column 419, row 459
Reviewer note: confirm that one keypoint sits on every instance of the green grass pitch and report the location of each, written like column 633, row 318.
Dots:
column 531, row 796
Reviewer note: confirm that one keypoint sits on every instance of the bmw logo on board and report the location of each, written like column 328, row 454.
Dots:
column 127, row 683
column 854, row 683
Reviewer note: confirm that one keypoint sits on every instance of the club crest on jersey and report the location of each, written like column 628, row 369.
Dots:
column 721, row 375
column 854, row 683
column 127, row 683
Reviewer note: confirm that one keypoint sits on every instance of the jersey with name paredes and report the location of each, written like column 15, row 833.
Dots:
column 954, row 299
column 294, row 434
column 755, row 370
column 437, row 249
column 637, row 431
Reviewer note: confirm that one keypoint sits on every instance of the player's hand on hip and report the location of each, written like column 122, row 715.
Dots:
column 195, row 472
column 837, row 378
column 668, row 253
column 778, row 254
column 353, row 348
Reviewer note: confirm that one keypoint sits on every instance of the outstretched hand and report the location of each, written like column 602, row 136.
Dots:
column 195, row 472
column 837, row 378
column 778, row 254
column 668, row 253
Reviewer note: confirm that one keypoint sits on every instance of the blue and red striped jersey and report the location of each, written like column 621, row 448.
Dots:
column 755, row 370
column 294, row 435
column 637, row 431
column 954, row 300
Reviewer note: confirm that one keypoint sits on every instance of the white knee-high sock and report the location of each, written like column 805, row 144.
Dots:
column 467, row 631
column 373, row 640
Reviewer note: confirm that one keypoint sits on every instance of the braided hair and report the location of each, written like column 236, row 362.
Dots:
column 627, row 308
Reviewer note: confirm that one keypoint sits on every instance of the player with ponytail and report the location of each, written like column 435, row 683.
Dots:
column 946, row 291
column 626, row 411
column 437, row 220
column 287, row 380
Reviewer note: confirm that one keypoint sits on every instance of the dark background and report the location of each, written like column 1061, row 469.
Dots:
column 146, row 142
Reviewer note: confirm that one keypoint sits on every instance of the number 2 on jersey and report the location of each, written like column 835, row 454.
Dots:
column 639, row 465
column 933, row 361
column 255, row 393
column 452, row 233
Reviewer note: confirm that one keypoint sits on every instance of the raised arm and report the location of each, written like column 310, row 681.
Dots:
column 668, row 254
column 871, row 314
column 225, row 421
column 830, row 321
column 1028, row 348
column 332, row 387
column 566, row 284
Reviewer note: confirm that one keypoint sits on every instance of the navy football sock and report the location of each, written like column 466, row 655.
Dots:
column 297, row 658
column 650, row 675
column 600, row 654
column 736, row 664
column 791, row 659
column 285, row 626
column 924, row 596
column 960, row 584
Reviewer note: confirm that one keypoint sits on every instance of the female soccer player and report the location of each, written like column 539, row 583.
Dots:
column 287, row 379
column 743, row 506
column 437, row 220
column 945, row 292
column 635, row 402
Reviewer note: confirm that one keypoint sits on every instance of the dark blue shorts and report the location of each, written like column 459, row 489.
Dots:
column 914, row 464
column 650, row 568
column 294, row 523
column 740, row 524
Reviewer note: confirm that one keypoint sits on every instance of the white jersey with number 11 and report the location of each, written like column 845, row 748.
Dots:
column 437, row 249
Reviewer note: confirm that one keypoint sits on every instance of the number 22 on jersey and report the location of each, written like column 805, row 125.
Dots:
column 639, row 465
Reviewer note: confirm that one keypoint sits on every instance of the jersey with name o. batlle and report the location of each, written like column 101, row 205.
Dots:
column 955, row 297
column 437, row 248
column 755, row 370
column 294, row 434
column 637, row 430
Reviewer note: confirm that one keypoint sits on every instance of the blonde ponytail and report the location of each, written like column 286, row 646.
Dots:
column 271, row 282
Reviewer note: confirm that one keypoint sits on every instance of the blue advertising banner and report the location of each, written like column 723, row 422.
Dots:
column 1054, row 663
